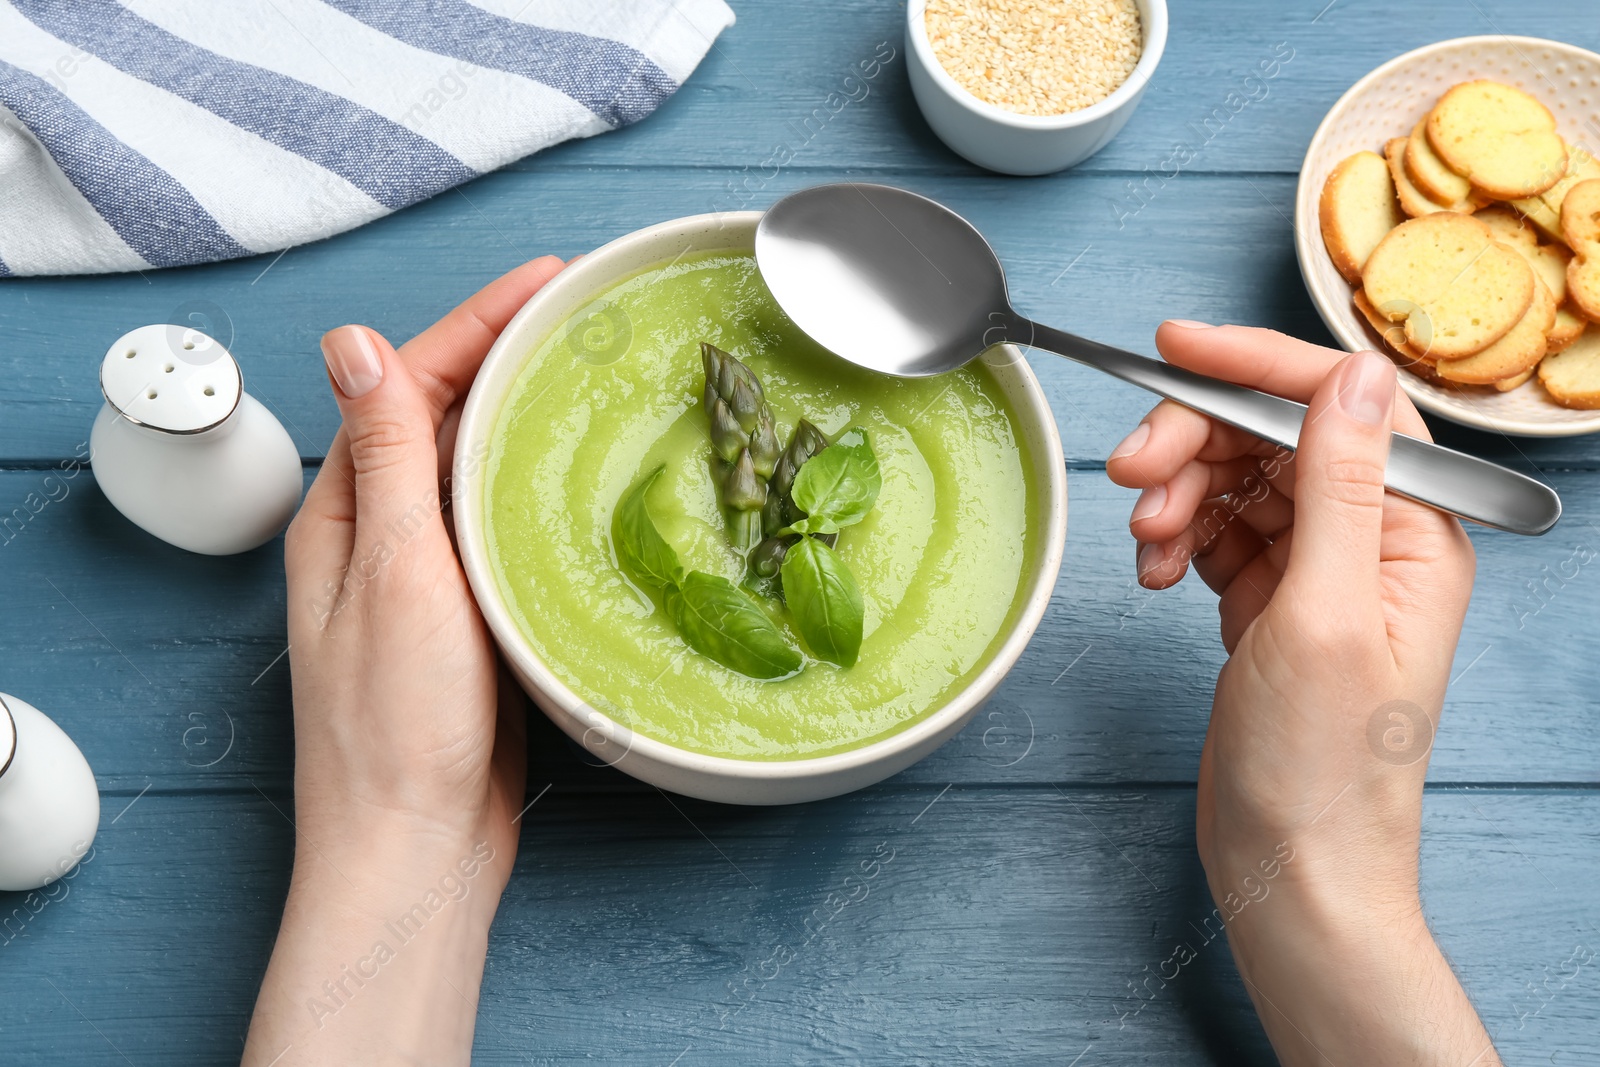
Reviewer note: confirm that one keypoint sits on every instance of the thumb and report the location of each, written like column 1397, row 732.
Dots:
column 1338, row 495
column 389, row 429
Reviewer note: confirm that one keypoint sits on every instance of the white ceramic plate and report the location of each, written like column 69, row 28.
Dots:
column 1388, row 103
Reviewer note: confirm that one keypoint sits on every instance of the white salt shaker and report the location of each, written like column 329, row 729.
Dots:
column 49, row 805
column 184, row 452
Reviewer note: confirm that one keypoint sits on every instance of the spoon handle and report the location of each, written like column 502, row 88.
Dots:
column 1463, row 485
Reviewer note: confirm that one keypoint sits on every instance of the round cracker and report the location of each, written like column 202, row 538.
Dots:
column 1501, row 139
column 1428, row 172
column 1393, row 337
column 1512, row 383
column 1510, row 227
column 1580, row 224
column 1568, row 328
column 1572, row 377
column 1549, row 262
column 1520, row 350
column 1412, row 200
column 1357, row 208
column 1456, row 289
column 1544, row 210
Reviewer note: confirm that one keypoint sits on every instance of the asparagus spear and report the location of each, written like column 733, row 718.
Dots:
column 767, row 560
column 744, row 439
column 780, row 509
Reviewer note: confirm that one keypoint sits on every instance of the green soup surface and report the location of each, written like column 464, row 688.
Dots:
column 615, row 393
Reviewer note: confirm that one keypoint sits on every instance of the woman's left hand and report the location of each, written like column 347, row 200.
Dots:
column 409, row 752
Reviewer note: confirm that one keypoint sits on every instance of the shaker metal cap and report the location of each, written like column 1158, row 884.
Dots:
column 8, row 737
column 171, row 378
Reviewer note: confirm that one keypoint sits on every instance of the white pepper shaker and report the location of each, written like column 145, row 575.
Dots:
column 183, row 451
column 49, row 805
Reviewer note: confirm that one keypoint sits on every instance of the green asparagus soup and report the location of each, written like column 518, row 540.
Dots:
column 939, row 559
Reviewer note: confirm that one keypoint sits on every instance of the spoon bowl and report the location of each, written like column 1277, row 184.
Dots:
column 884, row 278
column 900, row 284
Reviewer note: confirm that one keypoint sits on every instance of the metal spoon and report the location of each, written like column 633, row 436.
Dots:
column 897, row 283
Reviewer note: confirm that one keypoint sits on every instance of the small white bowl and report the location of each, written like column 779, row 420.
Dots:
column 716, row 778
column 1010, row 143
column 1388, row 103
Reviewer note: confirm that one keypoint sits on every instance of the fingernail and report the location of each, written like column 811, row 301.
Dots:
column 353, row 360
column 1150, row 557
column 1190, row 324
column 1366, row 387
column 1133, row 442
column 1150, row 503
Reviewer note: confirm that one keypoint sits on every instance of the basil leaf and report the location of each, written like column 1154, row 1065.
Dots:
column 724, row 624
column 825, row 601
column 811, row 524
column 641, row 549
column 837, row 486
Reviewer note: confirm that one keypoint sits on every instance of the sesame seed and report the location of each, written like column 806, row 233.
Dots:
column 1037, row 57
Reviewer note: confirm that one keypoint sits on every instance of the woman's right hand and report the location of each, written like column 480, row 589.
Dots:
column 1341, row 607
column 409, row 751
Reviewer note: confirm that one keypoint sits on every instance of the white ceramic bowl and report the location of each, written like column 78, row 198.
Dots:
column 1388, row 103
column 1010, row 143
column 709, row 777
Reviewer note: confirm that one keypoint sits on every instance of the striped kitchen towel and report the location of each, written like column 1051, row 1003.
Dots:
column 153, row 133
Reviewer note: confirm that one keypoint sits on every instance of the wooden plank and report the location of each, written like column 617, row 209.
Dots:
column 166, row 666
column 1219, row 249
column 998, row 925
column 769, row 76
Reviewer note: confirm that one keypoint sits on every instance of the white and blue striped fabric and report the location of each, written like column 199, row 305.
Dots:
column 153, row 133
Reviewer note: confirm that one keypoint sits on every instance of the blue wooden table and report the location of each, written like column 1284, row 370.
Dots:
column 1042, row 865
